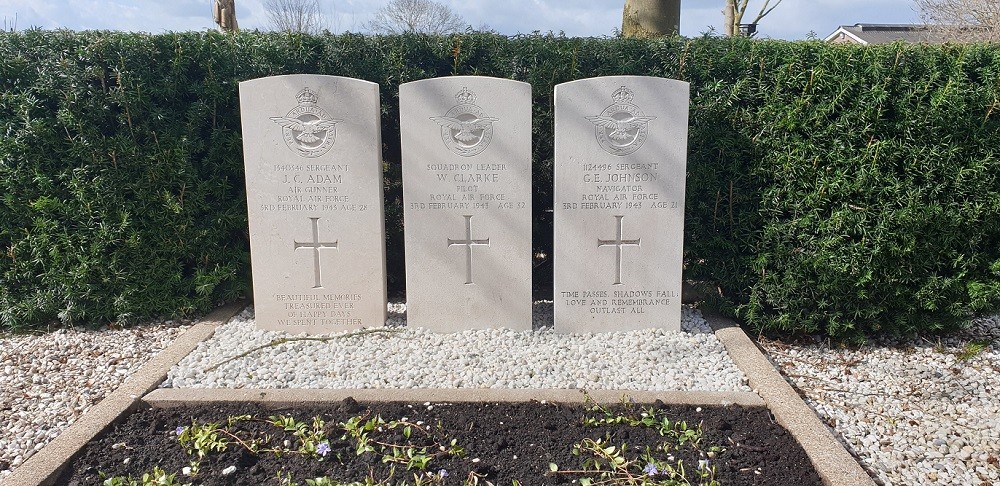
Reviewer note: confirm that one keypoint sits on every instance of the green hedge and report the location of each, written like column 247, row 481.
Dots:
column 830, row 188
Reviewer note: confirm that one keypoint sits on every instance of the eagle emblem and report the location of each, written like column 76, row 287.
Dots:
column 465, row 128
column 307, row 129
column 621, row 127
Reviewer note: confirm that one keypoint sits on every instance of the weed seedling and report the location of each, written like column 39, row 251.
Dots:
column 971, row 350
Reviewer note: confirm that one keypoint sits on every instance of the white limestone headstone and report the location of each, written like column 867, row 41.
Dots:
column 620, row 169
column 312, row 149
column 466, row 147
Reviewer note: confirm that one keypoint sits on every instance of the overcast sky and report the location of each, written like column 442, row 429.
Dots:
column 793, row 19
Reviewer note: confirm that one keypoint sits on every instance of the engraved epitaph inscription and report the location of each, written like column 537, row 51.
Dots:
column 625, row 166
column 466, row 154
column 314, row 201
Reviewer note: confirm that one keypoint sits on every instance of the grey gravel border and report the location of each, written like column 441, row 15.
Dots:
column 44, row 467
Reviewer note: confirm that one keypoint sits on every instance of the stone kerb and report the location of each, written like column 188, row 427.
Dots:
column 466, row 145
column 620, row 167
column 313, row 155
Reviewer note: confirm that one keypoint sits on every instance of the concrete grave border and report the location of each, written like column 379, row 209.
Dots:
column 835, row 465
column 168, row 398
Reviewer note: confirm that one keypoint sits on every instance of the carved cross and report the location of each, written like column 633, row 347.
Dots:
column 315, row 246
column 618, row 243
column 468, row 243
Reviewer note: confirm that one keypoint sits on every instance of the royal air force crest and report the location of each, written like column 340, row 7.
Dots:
column 621, row 127
column 465, row 128
column 307, row 129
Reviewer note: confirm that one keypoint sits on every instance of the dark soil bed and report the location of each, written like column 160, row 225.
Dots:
column 403, row 443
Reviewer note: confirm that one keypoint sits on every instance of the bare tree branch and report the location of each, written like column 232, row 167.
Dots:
column 764, row 10
column 962, row 20
column 301, row 16
column 739, row 9
column 424, row 16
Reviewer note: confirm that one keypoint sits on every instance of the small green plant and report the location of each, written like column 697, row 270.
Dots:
column 607, row 463
column 971, row 350
column 360, row 429
column 158, row 477
column 648, row 417
column 312, row 439
column 201, row 439
column 324, row 481
column 413, row 445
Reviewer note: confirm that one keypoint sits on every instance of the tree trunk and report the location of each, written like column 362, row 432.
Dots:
column 224, row 13
column 730, row 14
column 651, row 18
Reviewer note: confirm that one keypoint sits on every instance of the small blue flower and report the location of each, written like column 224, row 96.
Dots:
column 180, row 430
column 703, row 464
column 323, row 449
column 650, row 470
column 443, row 473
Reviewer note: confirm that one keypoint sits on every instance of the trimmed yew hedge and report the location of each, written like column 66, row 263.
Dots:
column 831, row 189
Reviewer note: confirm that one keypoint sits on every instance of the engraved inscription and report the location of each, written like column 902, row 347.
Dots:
column 468, row 186
column 313, row 187
column 315, row 246
column 621, row 127
column 311, row 310
column 307, row 129
column 637, row 301
column 465, row 128
column 618, row 243
column 619, row 186
column 468, row 243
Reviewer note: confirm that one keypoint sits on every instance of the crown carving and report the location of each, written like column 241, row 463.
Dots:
column 465, row 96
column 306, row 97
column 622, row 95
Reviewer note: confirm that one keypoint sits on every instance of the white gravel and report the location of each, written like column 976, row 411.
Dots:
column 398, row 357
column 48, row 380
column 914, row 412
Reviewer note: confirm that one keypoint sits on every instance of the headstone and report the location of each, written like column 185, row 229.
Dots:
column 312, row 148
column 466, row 145
column 620, row 157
